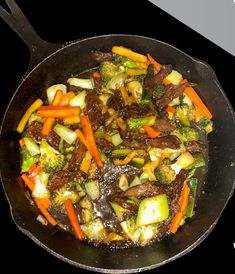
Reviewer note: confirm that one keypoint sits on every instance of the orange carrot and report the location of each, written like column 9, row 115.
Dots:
column 73, row 219
column 183, row 205
column 48, row 122
column 45, row 213
column 82, row 138
column 166, row 82
column 170, row 109
column 194, row 97
column 151, row 132
column 34, row 170
column 157, row 66
column 58, row 111
column 21, row 142
column 91, row 140
column 45, row 202
column 66, row 98
column 96, row 74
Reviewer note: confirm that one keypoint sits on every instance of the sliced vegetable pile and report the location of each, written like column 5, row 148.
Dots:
column 111, row 155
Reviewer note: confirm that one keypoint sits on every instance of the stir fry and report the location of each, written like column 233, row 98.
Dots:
column 112, row 155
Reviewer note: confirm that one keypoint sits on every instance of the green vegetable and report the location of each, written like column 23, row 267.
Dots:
column 119, row 210
column 193, row 184
column 123, row 182
column 130, row 230
column 27, row 160
column 199, row 161
column 150, row 71
column 123, row 61
column 189, row 134
column 152, row 210
column 94, row 230
column 51, row 91
column 136, row 181
column 32, row 147
column 116, row 139
column 147, row 233
column 86, row 215
column 182, row 113
column 79, row 100
column 116, row 82
column 51, row 160
column 205, row 124
column 63, row 194
column 40, row 187
column 121, row 152
column 108, row 70
column 65, row 133
column 138, row 162
column 135, row 123
column 92, row 189
column 158, row 91
column 82, row 83
column 164, row 174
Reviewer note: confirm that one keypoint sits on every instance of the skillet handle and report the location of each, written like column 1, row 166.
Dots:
column 39, row 49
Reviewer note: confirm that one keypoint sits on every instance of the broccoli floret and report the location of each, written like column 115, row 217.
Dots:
column 123, row 61
column 135, row 123
column 205, row 124
column 108, row 70
column 164, row 174
column 51, row 160
column 158, row 91
column 27, row 160
column 189, row 134
column 182, row 114
column 64, row 194
column 199, row 161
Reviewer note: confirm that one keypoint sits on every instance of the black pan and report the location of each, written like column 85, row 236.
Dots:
column 51, row 63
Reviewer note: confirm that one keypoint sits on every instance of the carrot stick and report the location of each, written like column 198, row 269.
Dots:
column 183, row 205
column 194, row 97
column 29, row 183
column 170, row 109
column 82, row 138
column 66, row 98
column 151, row 132
column 21, row 142
column 58, row 111
column 96, row 74
column 73, row 219
column 91, row 140
column 166, row 82
column 44, row 212
column 48, row 122
column 157, row 66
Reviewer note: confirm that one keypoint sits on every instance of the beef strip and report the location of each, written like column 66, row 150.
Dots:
column 151, row 82
column 100, row 56
column 147, row 189
column 61, row 178
column 138, row 111
column 172, row 92
column 93, row 110
column 163, row 125
column 169, row 141
column 77, row 157
column 193, row 146
column 34, row 132
column 115, row 101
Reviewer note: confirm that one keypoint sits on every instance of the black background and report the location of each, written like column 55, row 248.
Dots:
column 64, row 21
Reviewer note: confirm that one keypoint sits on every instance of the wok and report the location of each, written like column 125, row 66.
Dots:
column 43, row 71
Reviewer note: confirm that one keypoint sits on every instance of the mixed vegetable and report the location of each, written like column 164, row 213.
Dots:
column 112, row 155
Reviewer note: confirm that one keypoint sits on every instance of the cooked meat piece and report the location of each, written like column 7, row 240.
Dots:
column 74, row 88
column 135, row 144
column 169, row 141
column 163, row 125
column 135, row 135
column 62, row 178
column 172, row 92
column 123, row 202
column 100, row 56
column 115, row 101
column 104, row 144
column 147, row 189
column 93, row 110
column 34, row 132
column 98, row 84
column 152, row 82
column 77, row 156
column 175, row 188
column 193, row 146
column 137, row 111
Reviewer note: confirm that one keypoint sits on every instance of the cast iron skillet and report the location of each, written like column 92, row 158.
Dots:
column 51, row 63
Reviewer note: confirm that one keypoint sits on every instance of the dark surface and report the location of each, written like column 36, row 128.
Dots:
column 62, row 23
